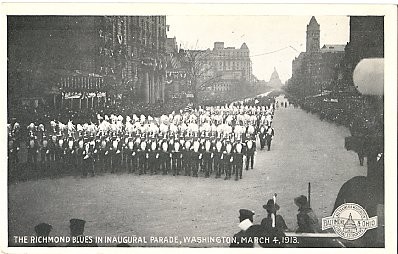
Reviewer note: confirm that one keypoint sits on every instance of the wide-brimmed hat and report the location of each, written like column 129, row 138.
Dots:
column 271, row 205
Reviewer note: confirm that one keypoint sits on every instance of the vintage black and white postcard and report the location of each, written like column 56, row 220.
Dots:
column 198, row 126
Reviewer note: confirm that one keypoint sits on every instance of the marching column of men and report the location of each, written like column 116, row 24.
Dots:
column 213, row 141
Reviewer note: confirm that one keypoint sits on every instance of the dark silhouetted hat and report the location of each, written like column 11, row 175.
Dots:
column 77, row 226
column 43, row 229
column 301, row 201
column 270, row 206
column 245, row 214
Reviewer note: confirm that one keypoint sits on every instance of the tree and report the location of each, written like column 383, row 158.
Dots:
column 200, row 71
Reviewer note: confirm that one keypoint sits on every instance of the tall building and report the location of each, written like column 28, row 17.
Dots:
column 315, row 70
column 91, row 58
column 232, row 62
column 313, row 36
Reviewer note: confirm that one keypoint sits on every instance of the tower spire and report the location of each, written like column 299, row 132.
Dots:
column 313, row 36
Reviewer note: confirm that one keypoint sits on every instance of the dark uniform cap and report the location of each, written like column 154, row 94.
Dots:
column 77, row 226
column 245, row 214
column 43, row 229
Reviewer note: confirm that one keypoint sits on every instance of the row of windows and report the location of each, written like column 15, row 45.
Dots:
column 232, row 53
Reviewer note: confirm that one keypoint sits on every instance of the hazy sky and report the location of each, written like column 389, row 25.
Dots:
column 262, row 34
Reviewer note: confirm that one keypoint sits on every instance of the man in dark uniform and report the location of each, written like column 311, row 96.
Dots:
column 238, row 153
column 33, row 149
column 70, row 153
column 44, row 152
column 97, row 153
column 13, row 150
column 77, row 237
column 176, row 157
column 106, row 144
column 129, row 155
column 228, row 160
column 88, row 159
column 207, row 157
column 262, row 136
column 153, row 157
column 79, row 151
column 218, row 158
column 143, row 157
column 250, row 150
column 269, row 136
column 273, row 219
column 187, row 158
column 164, row 156
column 115, row 153
column 196, row 157
column 52, row 147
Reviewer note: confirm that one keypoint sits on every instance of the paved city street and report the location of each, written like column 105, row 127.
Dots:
column 304, row 150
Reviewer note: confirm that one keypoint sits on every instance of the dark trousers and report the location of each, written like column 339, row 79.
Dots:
column 227, row 168
column 269, row 143
column 116, row 159
column 132, row 161
column 218, row 166
column 187, row 164
column 249, row 159
column 143, row 163
column 238, row 167
column 153, row 164
column 195, row 162
column 32, row 157
column 177, row 163
column 207, row 164
column 88, row 166
column 262, row 141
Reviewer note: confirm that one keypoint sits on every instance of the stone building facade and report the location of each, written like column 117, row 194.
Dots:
column 315, row 70
column 91, row 58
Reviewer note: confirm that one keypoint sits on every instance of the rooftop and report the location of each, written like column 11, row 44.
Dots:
column 332, row 48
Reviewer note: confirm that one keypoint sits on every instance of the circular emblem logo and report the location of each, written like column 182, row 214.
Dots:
column 350, row 221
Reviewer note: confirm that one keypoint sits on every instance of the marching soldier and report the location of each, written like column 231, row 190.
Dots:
column 115, row 153
column 143, row 157
column 218, row 158
column 33, row 149
column 262, row 136
column 250, row 150
column 44, row 152
column 52, row 148
column 153, row 158
column 207, row 157
column 176, row 158
column 269, row 136
column 227, row 160
column 187, row 158
column 238, row 156
column 69, row 152
column 88, row 159
column 130, row 153
column 165, row 156
column 105, row 153
column 196, row 157
column 80, row 143
column 13, row 150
